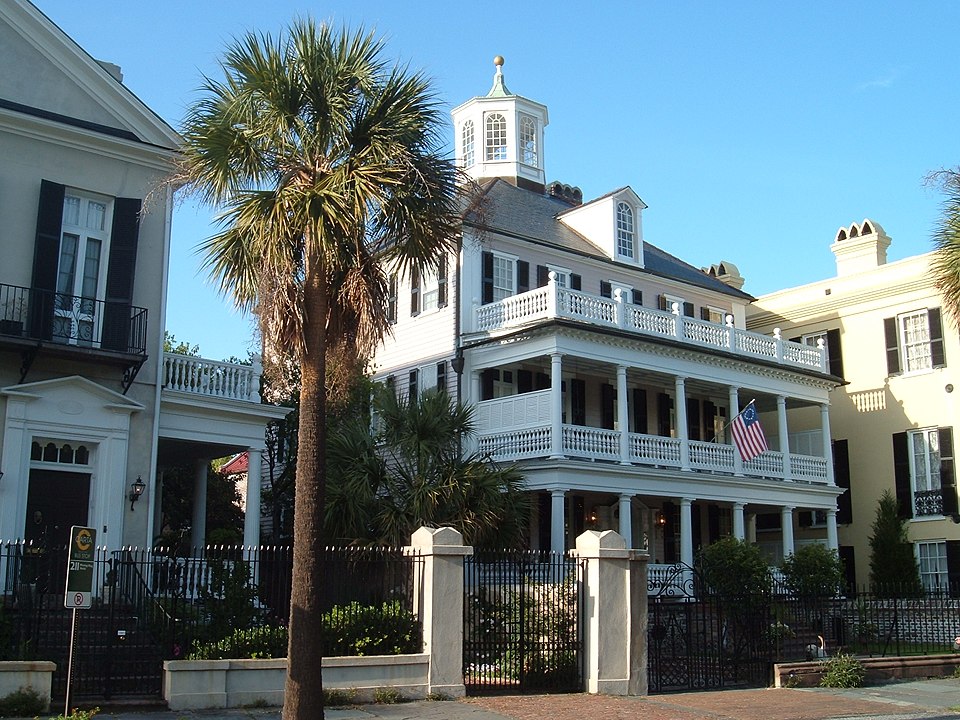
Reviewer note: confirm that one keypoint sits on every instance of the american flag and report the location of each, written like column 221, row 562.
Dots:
column 747, row 433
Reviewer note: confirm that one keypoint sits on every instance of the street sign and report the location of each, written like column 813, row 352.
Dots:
column 79, row 592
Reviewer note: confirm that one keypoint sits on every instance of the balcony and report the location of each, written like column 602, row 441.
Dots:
column 211, row 379
column 554, row 302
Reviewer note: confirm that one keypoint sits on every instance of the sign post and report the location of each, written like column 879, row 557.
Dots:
column 79, row 592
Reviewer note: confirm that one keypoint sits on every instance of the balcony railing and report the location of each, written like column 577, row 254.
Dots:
column 210, row 378
column 45, row 315
column 553, row 301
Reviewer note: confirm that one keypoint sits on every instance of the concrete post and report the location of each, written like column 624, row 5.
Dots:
column 439, row 598
column 615, row 619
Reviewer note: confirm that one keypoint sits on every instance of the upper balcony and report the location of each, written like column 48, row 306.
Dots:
column 211, row 379
column 555, row 302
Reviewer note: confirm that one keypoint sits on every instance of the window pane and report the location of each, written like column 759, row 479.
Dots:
column 91, row 268
column 502, row 277
column 96, row 215
column 916, row 341
column 68, row 263
column 71, row 211
column 528, row 140
column 468, row 143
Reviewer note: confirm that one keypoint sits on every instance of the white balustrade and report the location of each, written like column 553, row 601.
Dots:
column 767, row 464
column 654, row 450
column 810, row 468
column 517, row 444
column 591, row 442
column 199, row 376
column 711, row 456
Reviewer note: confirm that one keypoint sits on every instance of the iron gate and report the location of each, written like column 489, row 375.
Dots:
column 523, row 628
column 702, row 641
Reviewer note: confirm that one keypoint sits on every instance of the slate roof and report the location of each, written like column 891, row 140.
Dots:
column 508, row 210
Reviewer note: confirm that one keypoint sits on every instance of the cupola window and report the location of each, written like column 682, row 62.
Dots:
column 467, row 143
column 496, row 141
column 625, row 230
column 528, row 141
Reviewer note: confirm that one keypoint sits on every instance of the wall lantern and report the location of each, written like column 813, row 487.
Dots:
column 136, row 490
column 660, row 519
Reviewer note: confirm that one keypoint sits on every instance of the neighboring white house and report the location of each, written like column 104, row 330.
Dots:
column 606, row 367
column 91, row 408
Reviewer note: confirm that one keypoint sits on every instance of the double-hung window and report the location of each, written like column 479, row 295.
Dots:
column 914, row 342
column 466, row 146
column 932, row 559
column 528, row 140
column 925, row 471
column 81, row 268
column 504, row 277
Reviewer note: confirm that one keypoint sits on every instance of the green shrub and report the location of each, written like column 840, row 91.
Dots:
column 24, row 702
column 842, row 671
column 734, row 568
column 339, row 698
column 76, row 714
column 262, row 642
column 813, row 571
column 387, row 696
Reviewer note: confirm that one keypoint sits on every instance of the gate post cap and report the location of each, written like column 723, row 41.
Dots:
column 440, row 541
column 596, row 544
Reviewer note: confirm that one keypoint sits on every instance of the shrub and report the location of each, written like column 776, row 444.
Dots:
column 893, row 567
column 76, row 714
column 262, row 642
column 734, row 568
column 842, row 671
column 813, row 571
column 339, row 698
column 387, row 696
column 25, row 702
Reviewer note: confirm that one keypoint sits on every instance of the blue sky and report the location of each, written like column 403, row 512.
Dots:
column 752, row 130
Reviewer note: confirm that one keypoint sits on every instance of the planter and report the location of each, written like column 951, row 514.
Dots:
column 878, row 670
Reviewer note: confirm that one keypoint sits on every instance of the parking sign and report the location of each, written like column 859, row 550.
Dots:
column 79, row 592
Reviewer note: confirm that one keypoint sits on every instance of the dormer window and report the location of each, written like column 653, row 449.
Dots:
column 625, row 231
column 528, row 141
column 496, row 138
column 466, row 147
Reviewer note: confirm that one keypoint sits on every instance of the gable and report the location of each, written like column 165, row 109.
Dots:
column 72, row 396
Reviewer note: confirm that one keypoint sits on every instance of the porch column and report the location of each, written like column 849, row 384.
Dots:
column 680, row 406
column 739, row 531
column 556, row 404
column 472, row 443
column 623, row 422
column 784, row 435
column 198, row 529
column 832, row 541
column 251, row 518
column 626, row 518
column 752, row 528
column 734, row 408
column 686, row 532
column 827, row 442
column 558, row 543
column 786, row 525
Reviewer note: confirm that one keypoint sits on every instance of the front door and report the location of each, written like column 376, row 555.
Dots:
column 55, row 501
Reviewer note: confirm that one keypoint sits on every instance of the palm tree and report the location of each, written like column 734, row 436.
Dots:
column 946, row 237
column 324, row 164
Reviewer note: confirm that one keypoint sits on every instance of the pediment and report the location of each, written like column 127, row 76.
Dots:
column 73, row 395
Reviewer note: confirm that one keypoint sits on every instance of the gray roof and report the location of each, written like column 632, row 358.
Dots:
column 506, row 209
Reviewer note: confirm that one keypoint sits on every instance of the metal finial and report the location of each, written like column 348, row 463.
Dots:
column 498, row 61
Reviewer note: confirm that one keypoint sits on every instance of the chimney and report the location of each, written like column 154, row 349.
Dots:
column 860, row 247
column 726, row 272
column 573, row 196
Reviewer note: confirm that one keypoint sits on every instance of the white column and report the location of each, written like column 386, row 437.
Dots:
column 558, row 543
column 680, row 407
column 739, row 530
column 752, row 528
column 686, row 531
column 832, row 541
column 786, row 524
column 251, row 519
column 626, row 518
column 556, row 404
column 827, row 441
column 732, row 410
column 198, row 530
column 623, row 421
column 784, row 435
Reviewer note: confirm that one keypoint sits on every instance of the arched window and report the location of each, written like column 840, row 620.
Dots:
column 466, row 147
column 528, row 140
column 496, row 141
column 625, row 230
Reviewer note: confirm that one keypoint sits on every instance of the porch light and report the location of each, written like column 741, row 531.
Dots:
column 660, row 519
column 593, row 517
column 136, row 490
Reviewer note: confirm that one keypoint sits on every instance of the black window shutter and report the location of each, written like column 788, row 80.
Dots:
column 704, row 313
column 834, row 352
column 578, row 401
column 575, row 281
column 392, row 300
column 487, row 278
column 637, row 297
column 948, row 480
column 841, row 475
column 442, row 282
column 892, row 337
column 693, row 419
column 796, row 339
column 664, row 403
column 662, row 303
column 688, row 309
column 543, row 381
column 46, row 257
column 121, row 268
column 709, row 420
column 937, row 354
column 524, row 381
column 606, row 406
column 901, row 475
column 486, row 383
column 523, row 276
column 413, row 384
column 606, row 290
column 414, row 292
column 640, row 411
column 953, row 567
column 543, row 275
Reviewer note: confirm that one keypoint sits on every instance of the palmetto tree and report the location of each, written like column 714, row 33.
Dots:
column 323, row 162
column 946, row 262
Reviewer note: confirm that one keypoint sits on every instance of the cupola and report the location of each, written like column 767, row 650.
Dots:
column 500, row 135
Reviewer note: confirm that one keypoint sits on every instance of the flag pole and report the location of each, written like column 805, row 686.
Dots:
column 733, row 419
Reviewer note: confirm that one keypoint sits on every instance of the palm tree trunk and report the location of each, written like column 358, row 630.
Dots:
column 303, row 690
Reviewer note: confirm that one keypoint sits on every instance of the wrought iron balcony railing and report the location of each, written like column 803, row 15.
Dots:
column 45, row 315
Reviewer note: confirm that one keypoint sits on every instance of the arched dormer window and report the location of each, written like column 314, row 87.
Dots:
column 466, row 147
column 625, row 231
column 528, row 141
column 496, row 139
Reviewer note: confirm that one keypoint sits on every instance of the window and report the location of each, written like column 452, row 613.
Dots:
column 925, row 471
column 932, row 559
column 503, row 277
column 392, row 300
column 466, row 144
column 412, row 384
column 528, row 140
column 442, row 376
column 714, row 315
column 625, row 231
column 914, row 342
column 496, row 139
column 434, row 287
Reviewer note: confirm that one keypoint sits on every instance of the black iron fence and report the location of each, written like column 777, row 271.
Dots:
column 155, row 605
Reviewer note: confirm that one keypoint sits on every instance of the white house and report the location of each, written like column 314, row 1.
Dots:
column 606, row 367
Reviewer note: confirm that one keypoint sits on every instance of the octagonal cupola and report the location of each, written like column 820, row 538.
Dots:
column 500, row 135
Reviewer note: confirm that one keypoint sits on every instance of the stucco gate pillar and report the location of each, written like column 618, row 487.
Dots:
column 438, row 593
column 615, row 617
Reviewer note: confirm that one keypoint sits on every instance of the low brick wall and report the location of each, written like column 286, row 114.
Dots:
column 34, row 674
column 878, row 670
